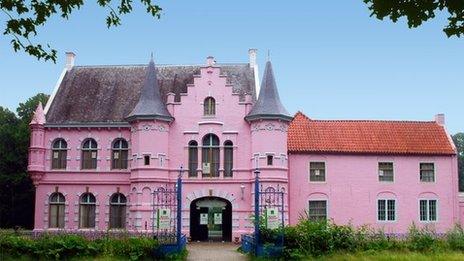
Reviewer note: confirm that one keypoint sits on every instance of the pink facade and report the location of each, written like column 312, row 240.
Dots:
column 351, row 188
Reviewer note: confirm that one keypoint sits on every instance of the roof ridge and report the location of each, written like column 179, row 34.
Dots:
column 367, row 120
column 157, row 65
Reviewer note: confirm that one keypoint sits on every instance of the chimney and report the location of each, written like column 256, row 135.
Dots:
column 440, row 119
column 70, row 57
column 210, row 61
column 252, row 56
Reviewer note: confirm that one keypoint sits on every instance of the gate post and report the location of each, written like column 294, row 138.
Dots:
column 256, row 211
column 179, row 209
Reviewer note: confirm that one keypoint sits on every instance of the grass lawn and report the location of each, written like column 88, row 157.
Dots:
column 389, row 255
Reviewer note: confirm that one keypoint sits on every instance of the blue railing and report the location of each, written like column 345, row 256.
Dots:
column 262, row 250
column 174, row 248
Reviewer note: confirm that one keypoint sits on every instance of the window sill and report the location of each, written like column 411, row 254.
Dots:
column 387, row 221
column 428, row 222
column 87, row 229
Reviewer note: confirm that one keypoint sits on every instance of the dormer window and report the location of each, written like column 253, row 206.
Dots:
column 209, row 106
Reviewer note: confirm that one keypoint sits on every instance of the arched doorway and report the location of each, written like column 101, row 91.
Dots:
column 211, row 219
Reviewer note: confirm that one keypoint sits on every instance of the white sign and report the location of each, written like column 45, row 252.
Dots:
column 218, row 218
column 206, row 168
column 163, row 218
column 203, row 218
column 272, row 218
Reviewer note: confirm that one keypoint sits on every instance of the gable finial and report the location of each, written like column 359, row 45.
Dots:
column 268, row 55
column 151, row 56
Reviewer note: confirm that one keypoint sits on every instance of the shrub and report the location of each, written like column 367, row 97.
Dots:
column 421, row 239
column 64, row 246
column 455, row 238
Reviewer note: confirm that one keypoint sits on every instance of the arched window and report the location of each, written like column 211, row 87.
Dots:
column 193, row 158
column 119, row 154
column 59, row 154
column 228, row 158
column 89, row 154
column 118, row 211
column 209, row 106
column 87, row 207
column 56, row 204
column 210, row 156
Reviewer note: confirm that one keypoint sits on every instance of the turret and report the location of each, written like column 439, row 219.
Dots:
column 36, row 165
column 150, row 121
column 269, row 123
column 150, row 126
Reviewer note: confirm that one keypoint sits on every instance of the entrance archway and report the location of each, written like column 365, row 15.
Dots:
column 211, row 219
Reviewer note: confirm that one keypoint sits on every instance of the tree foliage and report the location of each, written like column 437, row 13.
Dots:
column 417, row 12
column 459, row 142
column 16, row 189
column 24, row 18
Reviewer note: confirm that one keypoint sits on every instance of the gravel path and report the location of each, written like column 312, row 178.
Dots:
column 214, row 251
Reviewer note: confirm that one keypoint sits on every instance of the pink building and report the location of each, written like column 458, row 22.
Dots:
column 111, row 135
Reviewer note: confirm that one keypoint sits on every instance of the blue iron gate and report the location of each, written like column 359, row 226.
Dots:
column 267, row 200
column 167, row 217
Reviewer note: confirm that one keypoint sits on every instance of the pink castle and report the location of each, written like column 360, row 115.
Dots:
column 110, row 136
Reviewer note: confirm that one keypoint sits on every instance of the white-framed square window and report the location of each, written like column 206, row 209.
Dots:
column 428, row 210
column 317, row 210
column 317, row 171
column 427, row 172
column 386, row 172
column 386, row 210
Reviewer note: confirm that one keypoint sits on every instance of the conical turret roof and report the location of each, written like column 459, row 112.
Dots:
column 38, row 118
column 268, row 105
column 150, row 104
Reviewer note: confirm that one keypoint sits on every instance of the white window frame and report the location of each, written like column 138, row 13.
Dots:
column 428, row 214
column 325, row 169
column 386, row 210
column 434, row 172
column 378, row 172
column 326, row 206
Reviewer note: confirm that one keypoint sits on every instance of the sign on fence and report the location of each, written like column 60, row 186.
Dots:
column 163, row 218
column 272, row 218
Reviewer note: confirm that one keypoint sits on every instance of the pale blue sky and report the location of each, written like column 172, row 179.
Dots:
column 331, row 59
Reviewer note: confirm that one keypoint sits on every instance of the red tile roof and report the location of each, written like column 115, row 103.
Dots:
column 367, row 137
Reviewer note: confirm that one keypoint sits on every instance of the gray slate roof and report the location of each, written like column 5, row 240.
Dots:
column 150, row 104
column 268, row 105
column 108, row 94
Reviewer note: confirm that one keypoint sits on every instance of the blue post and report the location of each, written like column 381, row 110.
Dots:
column 256, row 211
column 179, row 209
column 283, row 219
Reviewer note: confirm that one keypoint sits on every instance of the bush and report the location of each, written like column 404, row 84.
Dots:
column 455, row 238
column 309, row 238
column 48, row 246
column 421, row 239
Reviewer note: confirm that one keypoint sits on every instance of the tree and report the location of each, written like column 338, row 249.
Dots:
column 417, row 12
column 16, row 188
column 25, row 17
column 459, row 142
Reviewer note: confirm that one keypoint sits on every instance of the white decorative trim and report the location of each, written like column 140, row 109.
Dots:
column 55, row 90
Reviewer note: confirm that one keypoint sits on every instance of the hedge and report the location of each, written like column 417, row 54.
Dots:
column 65, row 246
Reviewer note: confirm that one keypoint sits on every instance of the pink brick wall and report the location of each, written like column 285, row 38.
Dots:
column 352, row 189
